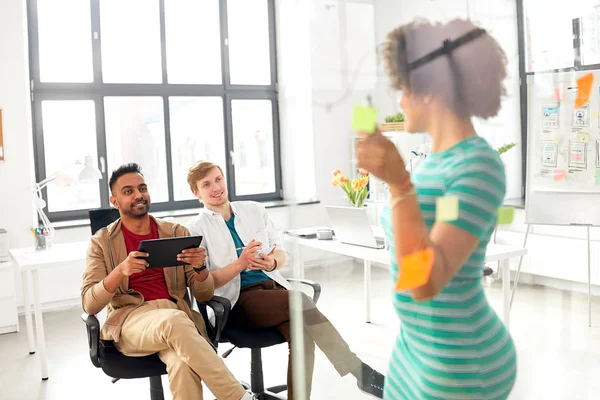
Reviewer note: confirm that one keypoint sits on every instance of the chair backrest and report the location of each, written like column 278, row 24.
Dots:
column 102, row 217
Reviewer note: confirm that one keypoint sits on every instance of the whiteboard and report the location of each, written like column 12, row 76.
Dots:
column 563, row 151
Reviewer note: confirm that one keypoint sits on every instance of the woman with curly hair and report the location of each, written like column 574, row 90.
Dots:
column 451, row 343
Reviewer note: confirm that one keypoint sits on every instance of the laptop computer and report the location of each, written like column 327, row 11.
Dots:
column 351, row 225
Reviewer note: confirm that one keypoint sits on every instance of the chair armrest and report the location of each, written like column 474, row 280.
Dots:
column 221, row 307
column 93, row 334
column 315, row 286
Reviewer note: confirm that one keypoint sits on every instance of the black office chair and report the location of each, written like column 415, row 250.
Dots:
column 101, row 217
column 118, row 366
column 255, row 340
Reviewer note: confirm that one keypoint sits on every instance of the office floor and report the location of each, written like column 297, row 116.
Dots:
column 559, row 356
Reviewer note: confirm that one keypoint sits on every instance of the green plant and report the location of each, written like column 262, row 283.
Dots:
column 506, row 148
column 399, row 117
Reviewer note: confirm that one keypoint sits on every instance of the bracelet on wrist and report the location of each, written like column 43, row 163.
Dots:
column 394, row 201
column 274, row 266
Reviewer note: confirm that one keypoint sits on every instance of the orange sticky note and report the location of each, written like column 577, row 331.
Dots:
column 415, row 270
column 559, row 175
column 584, row 89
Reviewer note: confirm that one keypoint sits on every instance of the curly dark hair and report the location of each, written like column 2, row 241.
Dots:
column 469, row 80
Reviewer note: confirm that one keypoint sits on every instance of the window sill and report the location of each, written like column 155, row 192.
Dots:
column 189, row 212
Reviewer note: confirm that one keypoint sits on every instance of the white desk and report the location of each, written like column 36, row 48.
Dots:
column 495, row 252
column 28, row 262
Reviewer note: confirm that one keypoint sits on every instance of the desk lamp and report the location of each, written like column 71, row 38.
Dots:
column 89, row 172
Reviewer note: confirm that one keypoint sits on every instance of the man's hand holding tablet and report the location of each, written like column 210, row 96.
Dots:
column 195, row 257
column 135, row 262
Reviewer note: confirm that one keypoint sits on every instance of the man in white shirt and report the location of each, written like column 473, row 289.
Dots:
column 244, row 252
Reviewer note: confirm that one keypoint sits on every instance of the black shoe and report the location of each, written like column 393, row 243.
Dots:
column 372, row 384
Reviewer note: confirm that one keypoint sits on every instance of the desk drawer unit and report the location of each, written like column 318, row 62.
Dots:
column 9, row 321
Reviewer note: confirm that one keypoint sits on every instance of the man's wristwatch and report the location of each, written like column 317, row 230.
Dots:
column 198, row 270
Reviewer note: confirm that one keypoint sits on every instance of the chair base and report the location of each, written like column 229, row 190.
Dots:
column 156, row 389
column 267, row 394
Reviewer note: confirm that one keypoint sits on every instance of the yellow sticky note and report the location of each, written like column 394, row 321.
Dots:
column 446, row 208
column 584, row 89
column 583, row 137
column 505, row 216
column 556, row 139
column 364, row 119
column 415, row 270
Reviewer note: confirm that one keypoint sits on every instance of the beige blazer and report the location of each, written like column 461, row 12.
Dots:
column 106, row 251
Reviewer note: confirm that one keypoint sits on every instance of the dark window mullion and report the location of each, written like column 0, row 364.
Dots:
column 229, row 148
column 102, row 161
column 39, row 151
column 165, row 98
column 229, row 160
column 34, row 43
column 96, row 42
column 522, row 93
column 273, row 44
column 224, row 44
column 102, row 152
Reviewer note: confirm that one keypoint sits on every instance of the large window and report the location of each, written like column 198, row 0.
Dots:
column 559, row 36
column 163, row 83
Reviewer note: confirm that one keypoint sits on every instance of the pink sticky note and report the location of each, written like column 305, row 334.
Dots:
column 559, row 175
column 556, row 95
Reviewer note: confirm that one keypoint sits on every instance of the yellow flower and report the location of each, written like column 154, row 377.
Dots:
column 357, row 184
column 364, row 181
column 336, row 172
column 363, row 172
column 335, row 181
column 343, row 179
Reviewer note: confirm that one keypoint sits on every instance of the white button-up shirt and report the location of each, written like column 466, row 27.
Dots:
column 251, row 222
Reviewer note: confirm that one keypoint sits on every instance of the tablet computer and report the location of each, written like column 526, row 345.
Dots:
column 163, row 252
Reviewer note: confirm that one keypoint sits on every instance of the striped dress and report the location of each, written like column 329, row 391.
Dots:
column 454, row 346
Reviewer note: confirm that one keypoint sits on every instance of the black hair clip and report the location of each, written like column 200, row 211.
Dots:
column 447, row 47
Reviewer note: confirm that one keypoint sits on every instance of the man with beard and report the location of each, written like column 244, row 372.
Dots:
column 149, row 310
column 245, row 252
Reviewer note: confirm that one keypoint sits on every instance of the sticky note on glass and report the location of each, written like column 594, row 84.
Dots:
column 584, row 89
column 415, row 270
column 556, row 139
column 559, row 175
column 446, row 208
column 364, row 119
column 505, row 216
column 556, row 94
column 583, row 137
column 597, row 176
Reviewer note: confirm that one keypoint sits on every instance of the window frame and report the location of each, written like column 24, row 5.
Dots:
column 97, row 91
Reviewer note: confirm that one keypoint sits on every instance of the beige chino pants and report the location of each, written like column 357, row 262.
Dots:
column 158, row 326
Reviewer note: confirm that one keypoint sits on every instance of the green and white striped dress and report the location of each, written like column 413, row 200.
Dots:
column 454, row 346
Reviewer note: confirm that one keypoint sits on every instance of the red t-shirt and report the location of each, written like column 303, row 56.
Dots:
column 150, row 282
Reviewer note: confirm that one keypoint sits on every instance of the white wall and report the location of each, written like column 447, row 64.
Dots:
column 16, row 172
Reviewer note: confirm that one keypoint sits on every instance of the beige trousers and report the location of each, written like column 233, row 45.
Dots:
column 158, row 326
